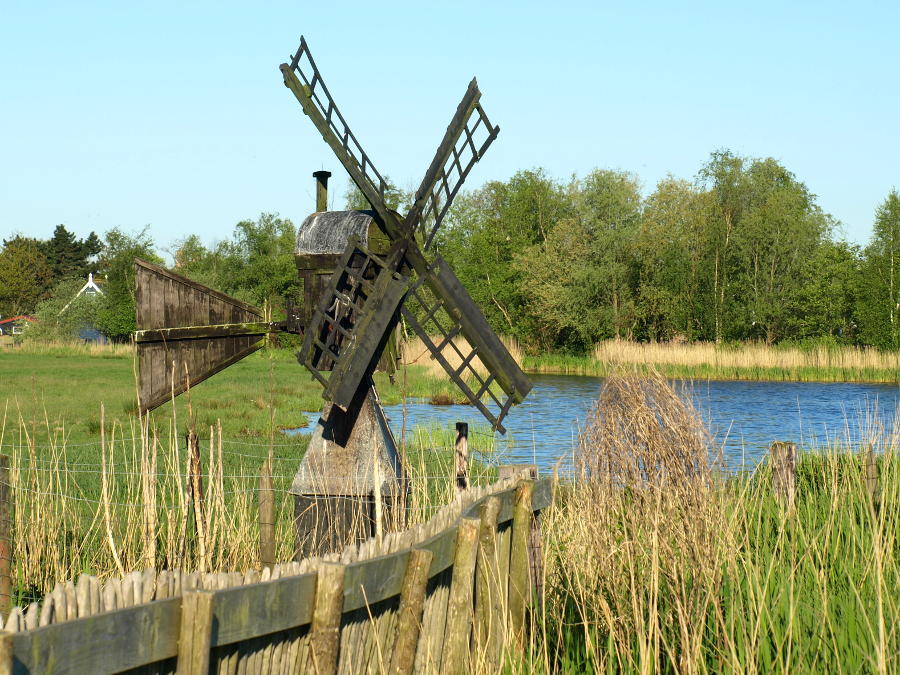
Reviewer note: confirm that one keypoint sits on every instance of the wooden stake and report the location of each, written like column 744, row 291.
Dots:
column 196, row 633
column 870, row 468
column 324, row 632
column 5, row 539
column 196, row 485
column 783, row 456
column 488, row 597
column 519, row 567
column 462, row 456
column 266, row 515
column 460, row 603
column 409, row 615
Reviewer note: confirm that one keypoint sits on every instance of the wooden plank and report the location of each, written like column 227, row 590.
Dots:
column 460, row 607
column 488, row 600
column 324, row 634
column 196, row 633
column 245, row 612
column 213, row 331
column 160, row 386
column 519, row 569
column 158, row 271
column 409, row 615
column 104, row 643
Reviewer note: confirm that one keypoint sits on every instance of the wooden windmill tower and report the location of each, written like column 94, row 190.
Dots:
column 362, row 272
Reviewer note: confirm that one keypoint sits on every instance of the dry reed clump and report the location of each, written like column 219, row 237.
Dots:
column 745, row 356
column 414, row 352
column 67, row 347
column 633, row 543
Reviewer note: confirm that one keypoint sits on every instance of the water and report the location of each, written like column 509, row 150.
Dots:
column 744, row 416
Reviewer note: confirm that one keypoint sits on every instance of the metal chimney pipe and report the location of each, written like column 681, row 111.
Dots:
column 321, row 190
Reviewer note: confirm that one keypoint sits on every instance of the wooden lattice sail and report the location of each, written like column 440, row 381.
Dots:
column 187, row 331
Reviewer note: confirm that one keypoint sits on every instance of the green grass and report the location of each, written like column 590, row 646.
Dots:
column 56, row 396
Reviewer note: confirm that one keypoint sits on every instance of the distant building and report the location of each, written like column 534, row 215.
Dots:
column 15, row 325
column 88, row 333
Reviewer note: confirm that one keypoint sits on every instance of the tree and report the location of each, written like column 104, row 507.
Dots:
column 25, row 276
column 69, row 256
column 258, row 263
column 723, row 175
column 824, row 302
column 879, row 296
column 780, row 229
column 579, row 279
column 116, row 313
column 669, row 249
column 485, row 232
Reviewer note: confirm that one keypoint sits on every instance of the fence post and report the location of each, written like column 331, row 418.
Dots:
column 871, row 474
column 196, row 484
column 519, row 567
column 488, row 598
column 460, row 602
column 266, row 516
column 462, row 456
column 5, row 539
column 409, row 614
column 783, row 456
column 196, row 633
column 324, row 631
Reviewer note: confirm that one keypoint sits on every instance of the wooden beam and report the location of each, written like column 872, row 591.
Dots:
column 218, row 330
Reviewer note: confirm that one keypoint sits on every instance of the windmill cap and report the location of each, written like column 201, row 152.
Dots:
column 327, row 232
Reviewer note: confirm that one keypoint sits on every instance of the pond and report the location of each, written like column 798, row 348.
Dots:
column 745, row 417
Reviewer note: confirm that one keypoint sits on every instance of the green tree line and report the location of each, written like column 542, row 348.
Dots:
column 741, row 252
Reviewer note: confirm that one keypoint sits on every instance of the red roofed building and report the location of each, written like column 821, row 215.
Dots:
column 15, row 325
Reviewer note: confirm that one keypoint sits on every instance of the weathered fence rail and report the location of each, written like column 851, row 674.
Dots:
column 441, row 596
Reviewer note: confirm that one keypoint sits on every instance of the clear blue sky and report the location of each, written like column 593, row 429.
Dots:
column 173, row 114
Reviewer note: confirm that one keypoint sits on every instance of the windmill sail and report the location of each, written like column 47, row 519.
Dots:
column 466, row 346
column 187, row 332
column 465, row 340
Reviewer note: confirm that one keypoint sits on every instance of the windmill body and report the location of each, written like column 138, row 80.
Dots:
column 363, row 272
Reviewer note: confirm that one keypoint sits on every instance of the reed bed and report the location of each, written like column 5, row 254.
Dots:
column 748, row 361
column 657, row 562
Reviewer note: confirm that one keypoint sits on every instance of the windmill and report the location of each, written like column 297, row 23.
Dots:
column 362, row 271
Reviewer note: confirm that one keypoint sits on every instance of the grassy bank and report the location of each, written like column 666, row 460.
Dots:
column 52, row 393
column 655, row 563
column 117, row 500
column 728, row 362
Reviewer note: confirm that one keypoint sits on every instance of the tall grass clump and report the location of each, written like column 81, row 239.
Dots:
column 657, row 562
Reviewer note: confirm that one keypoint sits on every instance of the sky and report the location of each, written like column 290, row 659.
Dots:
column 173, row 115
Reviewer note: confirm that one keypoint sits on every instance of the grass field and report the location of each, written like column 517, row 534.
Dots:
column 750, row 361
column 54, row 393
column 116, row 501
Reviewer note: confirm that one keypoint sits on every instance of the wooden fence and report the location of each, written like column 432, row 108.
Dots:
column 445, row 596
